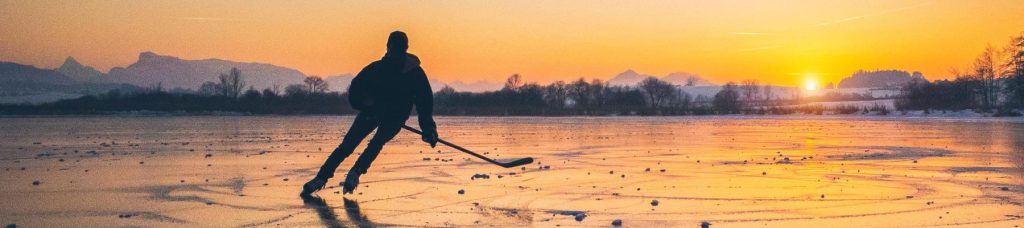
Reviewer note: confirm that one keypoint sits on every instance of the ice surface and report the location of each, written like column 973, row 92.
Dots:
column 840, row 172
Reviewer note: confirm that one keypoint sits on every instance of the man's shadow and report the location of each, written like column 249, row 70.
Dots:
column 327, row 216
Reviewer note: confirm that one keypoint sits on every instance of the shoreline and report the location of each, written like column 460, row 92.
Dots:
column 892, row 115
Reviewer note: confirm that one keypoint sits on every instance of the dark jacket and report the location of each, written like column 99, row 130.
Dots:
column 388, row 88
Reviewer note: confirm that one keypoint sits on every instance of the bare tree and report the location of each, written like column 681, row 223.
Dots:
column 294, row 90
column 658, row 91
column 315, row 84
column 680, row 99
column 209, row 89
column 231, row 84
column 726, row 101
column 555, row 94
column 691, row 81
column 580, row 92
column 987, row 69
column 514, row 83
column 750, row 90
column 276, row 89
column 598, row 91
column 1015, row 72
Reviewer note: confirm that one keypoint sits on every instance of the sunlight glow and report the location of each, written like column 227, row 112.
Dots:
column 544, row 41
column 811, row 84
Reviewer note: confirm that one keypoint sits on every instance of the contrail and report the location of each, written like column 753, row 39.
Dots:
column 853, row 18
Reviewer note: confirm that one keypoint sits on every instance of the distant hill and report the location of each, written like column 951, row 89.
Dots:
column 879, row 78
column 172, row 72
column 75, row 70
column 24, row 83
column 477, row 86
column 339, row 83
column 631, row 78
column 169, row 72
column 15, row 76
column 628, row 78
column 436, row 84
column 686, row 79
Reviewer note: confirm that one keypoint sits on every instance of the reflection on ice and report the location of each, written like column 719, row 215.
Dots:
column 727, row 171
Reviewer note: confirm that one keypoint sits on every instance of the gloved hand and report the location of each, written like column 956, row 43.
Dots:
column 430, row 137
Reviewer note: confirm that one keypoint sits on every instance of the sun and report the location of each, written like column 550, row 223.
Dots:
column 810, row 84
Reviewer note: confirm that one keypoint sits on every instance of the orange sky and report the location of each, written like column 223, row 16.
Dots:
column 780, row 42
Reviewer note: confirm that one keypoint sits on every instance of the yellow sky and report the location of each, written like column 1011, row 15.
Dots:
column 779, row 42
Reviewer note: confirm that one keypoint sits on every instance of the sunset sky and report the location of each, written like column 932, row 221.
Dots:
column 779, row 42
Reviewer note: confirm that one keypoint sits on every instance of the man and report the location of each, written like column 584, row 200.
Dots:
column 384, row 93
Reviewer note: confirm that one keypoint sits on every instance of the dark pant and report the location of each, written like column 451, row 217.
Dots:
column 361, row 127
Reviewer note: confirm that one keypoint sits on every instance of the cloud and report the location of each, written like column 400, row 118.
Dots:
column 879, row 13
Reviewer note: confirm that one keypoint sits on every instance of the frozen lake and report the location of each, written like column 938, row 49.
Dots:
column 800, row 171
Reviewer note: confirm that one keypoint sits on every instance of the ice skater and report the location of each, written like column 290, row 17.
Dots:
column 384, row 93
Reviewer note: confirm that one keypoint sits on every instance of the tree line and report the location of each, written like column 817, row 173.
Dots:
column 227, row 95
column 651, row 96
column 994, row 82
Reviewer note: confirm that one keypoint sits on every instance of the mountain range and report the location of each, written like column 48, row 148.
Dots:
column 28, row 84
column 73, row 78
column 631, row 78
column 25, row 83
column 18, row 77
column 75, row 70
column 152, row 69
